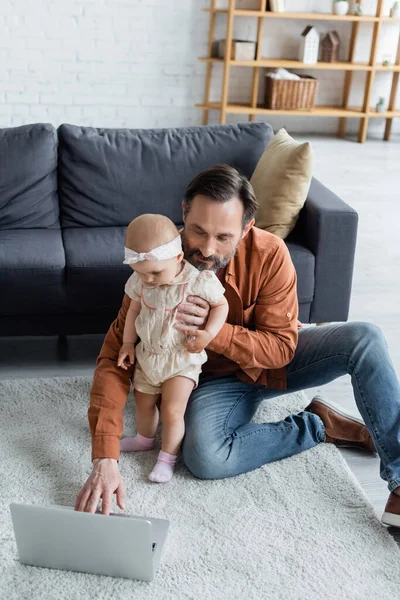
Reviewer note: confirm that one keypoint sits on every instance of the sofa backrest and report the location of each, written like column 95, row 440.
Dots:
column 28, row 177
column 107, row 177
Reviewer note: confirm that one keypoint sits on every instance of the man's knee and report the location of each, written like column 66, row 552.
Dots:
column 366, row 333
column 202, row 460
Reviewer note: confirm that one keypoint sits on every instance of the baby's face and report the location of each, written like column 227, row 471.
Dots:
column 158, row 272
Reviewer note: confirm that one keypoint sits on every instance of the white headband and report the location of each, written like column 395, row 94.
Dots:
column 163, row 252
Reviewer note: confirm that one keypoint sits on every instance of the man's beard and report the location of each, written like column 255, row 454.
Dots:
column 193, row 254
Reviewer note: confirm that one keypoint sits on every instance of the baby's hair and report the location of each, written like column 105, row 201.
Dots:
column 149, row 231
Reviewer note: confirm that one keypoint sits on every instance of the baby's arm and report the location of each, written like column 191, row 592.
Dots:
column 199, row 339
column 130, row 336
column 217, row 317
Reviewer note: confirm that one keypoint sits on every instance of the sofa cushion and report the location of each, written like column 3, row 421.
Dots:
column 281, row 182
column 32, row 266
column 109, row 176
column 304, row 262
column 28, row 177
column 95, row 275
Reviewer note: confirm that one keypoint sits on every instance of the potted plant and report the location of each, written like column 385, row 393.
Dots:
column 387, row 60
column 395, row 10
column 381, row 107
column 358, row 9
column 340, row 7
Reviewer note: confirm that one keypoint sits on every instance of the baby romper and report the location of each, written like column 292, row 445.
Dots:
column 160, row 354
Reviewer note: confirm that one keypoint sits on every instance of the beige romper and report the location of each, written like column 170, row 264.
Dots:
column 160, row 354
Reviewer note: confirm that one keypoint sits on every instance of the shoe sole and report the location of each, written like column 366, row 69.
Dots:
column 390, row 519
column 340, row 411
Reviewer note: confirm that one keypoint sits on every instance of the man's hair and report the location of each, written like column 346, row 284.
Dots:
column 222, row 183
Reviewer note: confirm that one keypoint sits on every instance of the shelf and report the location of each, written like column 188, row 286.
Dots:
column 390, row 68
column 296, row 64
column 389, row 19
column 301, row 15
column 343, row 112
column 389, row 114
column 208, row 59
column 318, row 111
column 216, row 10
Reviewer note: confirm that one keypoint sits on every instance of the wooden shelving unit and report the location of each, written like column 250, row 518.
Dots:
column 363, row 113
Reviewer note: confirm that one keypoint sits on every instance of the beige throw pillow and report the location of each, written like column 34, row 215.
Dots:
column 281, row 182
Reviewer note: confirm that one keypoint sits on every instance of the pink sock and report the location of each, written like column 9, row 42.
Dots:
column 139, row 443
column 164, row 467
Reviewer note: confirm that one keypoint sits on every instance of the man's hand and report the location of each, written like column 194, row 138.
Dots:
column 192, row 314
column 126, row 356
column 197, row 341
column 104, row 481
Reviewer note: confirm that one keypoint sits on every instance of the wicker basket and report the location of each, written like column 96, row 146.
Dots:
column 288, row 94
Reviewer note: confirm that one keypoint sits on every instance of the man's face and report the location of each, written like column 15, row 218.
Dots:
column 212, row 232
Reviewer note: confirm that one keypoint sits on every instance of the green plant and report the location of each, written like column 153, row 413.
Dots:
column 396, row 4
column 381, row 100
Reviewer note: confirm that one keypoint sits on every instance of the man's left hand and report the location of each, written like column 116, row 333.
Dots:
column 192, row 314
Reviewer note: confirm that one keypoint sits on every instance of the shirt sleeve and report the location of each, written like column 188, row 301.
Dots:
column 208, row 287
column 109, row 392
column 272, row 343
column 133, row 287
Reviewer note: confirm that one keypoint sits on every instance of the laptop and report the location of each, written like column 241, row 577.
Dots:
column 118, row 545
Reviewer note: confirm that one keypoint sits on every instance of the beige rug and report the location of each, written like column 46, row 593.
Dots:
column 298, row 529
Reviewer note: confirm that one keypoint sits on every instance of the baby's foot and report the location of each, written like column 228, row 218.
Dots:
column 139, row 443
column 164, row 467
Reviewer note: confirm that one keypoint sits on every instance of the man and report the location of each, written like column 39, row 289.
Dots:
column 261, row 352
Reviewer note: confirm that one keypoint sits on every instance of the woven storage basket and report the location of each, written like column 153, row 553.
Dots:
column 287, row 94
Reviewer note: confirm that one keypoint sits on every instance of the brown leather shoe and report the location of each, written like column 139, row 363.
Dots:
column 342, row 429
column 391, row 516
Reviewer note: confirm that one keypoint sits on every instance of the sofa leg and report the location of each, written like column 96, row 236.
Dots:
column 62, row 347
column 322, row 324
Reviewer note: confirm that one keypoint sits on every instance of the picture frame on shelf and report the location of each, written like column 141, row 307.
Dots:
column 277, row 6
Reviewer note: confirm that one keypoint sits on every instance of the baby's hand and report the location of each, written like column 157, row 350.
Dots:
column 126, row 356
column 197, row 340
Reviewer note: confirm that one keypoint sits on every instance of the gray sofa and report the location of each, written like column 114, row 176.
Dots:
column 67, row 195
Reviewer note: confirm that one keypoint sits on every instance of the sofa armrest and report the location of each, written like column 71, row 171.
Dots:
column 328, row 227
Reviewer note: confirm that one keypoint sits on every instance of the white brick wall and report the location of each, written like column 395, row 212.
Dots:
column 133, row 63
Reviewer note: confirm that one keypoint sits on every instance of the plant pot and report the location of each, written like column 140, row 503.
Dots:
column 340, row 8
column 395, row 12
column 380, row 108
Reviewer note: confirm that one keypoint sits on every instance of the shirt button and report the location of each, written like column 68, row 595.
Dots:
column 288, row 315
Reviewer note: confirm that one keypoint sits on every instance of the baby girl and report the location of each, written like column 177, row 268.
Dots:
column 167, row 364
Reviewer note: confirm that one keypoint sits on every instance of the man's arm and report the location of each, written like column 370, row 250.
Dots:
column 109, row 392
column 273, row 342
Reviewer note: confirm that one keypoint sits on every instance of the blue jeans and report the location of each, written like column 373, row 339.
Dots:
column 221, row 441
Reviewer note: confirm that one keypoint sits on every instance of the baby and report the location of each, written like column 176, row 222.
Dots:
column 166, row 362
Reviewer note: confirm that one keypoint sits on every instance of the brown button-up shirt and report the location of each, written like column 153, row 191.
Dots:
column 256, row 343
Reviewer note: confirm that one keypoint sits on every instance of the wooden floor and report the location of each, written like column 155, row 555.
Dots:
column 368, row 178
